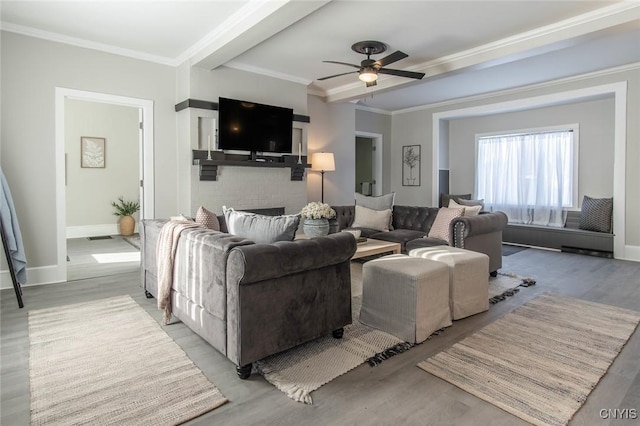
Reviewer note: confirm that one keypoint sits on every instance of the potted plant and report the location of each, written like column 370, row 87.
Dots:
column 316, row 219
column 126, row 209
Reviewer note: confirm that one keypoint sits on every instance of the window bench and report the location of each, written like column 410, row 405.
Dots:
column 570, row 238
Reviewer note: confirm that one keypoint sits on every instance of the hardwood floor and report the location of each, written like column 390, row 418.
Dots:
column 396, row 391
column 98, row 258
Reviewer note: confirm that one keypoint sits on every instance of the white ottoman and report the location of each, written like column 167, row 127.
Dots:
column 405, row 296
column 468, row 277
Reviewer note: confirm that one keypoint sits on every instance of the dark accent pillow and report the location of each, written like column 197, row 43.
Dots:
column 445, row 198
column 595, row 214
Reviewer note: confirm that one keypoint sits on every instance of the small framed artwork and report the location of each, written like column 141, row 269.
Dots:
column 411, row 165
column 92, row 152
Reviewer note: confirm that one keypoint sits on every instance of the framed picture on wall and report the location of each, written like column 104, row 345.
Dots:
column 411, row 165
column 92, row 152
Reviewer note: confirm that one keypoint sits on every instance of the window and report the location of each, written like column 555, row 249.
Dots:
column 531, row 176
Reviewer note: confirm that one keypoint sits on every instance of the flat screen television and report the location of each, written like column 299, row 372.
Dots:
column 249, row 126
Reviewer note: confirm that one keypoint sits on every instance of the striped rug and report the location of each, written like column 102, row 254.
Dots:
column 541, row 361
column 107, row 362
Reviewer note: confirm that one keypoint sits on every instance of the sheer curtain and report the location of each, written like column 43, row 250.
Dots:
column 527, row 176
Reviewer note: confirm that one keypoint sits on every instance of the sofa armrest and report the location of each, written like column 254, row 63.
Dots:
column 469, row 226
column 258, row 262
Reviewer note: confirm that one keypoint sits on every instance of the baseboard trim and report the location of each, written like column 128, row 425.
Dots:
column 39, row 275
column 631, row 253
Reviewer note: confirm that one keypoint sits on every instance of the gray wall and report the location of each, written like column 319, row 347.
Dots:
column 90, row 191
column 596, row 143
column 415, row 126
column 31, row 69
column 332, row 129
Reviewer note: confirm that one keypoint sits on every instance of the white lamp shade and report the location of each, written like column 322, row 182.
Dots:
column 323, row 161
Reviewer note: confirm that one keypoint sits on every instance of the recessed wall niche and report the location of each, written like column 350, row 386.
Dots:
column 207, row 139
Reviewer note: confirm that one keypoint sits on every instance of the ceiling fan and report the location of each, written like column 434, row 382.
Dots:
column 369, row 69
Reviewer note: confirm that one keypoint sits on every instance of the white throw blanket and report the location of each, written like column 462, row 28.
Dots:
column 165, row 255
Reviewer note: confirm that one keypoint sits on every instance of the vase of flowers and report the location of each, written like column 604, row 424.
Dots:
column 316, row 217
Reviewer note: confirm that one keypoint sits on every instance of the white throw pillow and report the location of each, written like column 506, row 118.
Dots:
column 372, row 219
column 259, row 228
column 468, row 210
column 440, row 227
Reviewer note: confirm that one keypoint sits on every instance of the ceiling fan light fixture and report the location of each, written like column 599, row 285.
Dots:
column 368, row 75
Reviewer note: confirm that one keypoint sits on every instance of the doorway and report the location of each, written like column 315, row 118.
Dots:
column 368, row 163
column 141, row 126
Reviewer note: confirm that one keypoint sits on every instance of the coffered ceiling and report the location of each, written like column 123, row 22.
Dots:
column 464, row 47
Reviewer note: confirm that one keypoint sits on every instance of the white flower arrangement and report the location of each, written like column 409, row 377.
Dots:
column 317, row 210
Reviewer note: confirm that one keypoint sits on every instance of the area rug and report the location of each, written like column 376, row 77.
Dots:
column 505, row 285
column 541, row 361
column 305, row 368
column 108, row 362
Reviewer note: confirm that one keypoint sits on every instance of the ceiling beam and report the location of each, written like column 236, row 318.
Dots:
column 252, row 24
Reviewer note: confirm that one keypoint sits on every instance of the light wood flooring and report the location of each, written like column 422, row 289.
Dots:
column 395, row 392
column 98, row 258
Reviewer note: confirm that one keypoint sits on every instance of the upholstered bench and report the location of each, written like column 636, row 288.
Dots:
column 468, row 277
column 405, row 296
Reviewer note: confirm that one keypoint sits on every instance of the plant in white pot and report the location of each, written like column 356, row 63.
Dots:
column 126, row 209
column 316, row 219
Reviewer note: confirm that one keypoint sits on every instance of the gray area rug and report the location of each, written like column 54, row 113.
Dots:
column 108, row 362
column 541, row 361
column 305, row 368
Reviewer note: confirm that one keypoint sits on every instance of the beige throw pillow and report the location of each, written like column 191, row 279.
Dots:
column 440, row 227
column 372, row 219
column 468, row 210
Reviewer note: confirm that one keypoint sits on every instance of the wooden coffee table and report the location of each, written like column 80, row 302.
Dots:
column 371, row 247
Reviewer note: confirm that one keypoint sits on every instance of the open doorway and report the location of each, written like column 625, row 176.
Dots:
column 117, row 129
column 368, row 164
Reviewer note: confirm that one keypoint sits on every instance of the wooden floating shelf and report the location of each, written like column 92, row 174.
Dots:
column 209, row 168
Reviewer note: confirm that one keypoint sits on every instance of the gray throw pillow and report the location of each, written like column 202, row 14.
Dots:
column 595, row 214
column 378, row 203
column 445, row 198
column 382, row 202
column 259, row 228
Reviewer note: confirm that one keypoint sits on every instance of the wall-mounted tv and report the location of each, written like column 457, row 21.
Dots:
column 249, row 126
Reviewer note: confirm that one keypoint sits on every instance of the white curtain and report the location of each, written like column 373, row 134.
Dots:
column 527, row 176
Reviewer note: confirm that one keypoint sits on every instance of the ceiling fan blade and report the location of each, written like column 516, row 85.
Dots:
column 402, row 73
column 394, row 57
column 371, row 83
column 342, row 63
column 336, row 75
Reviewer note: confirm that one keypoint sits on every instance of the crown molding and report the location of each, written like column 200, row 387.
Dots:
column 73, row 41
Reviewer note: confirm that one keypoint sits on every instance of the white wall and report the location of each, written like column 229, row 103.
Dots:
column 90, row 191
column 596, row 142
column 31, row 69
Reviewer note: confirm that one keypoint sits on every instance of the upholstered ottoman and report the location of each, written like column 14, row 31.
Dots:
column 468, row 277
column 405, row 296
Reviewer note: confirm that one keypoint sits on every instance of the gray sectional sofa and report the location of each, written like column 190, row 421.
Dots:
column 251, row 300
column 411, row 225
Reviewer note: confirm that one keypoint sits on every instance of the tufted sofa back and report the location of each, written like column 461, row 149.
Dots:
column 414, row 218
column 403, row 217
